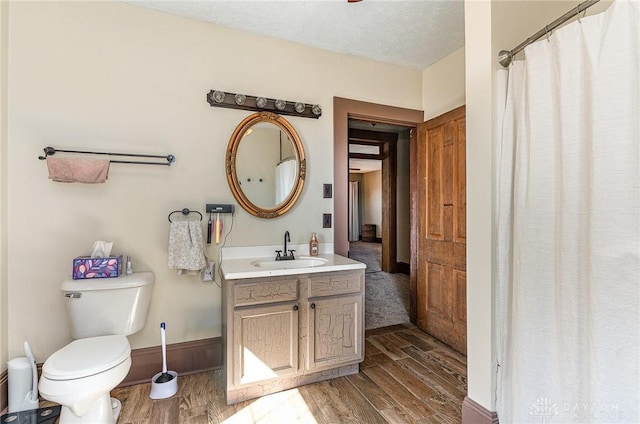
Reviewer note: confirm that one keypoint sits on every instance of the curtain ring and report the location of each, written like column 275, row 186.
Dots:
column 584, row 13
column 546, row 29
column 578, row 13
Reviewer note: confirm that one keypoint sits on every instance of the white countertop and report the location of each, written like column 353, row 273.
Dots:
column 236, row 268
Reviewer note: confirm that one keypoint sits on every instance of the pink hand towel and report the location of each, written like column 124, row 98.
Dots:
column 72, row 170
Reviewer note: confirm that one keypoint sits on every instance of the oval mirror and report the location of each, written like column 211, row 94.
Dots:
column 265, row 165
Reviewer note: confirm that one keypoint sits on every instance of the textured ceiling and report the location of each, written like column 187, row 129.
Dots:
column 409, row 33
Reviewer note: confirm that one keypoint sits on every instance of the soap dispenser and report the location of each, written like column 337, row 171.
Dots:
column 313, row 245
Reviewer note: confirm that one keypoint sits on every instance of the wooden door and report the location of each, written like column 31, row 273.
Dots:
column 441, row 262
column 265, row 341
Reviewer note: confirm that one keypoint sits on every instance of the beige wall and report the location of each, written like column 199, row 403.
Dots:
column 372, row 213
column 443, row 85
column 494, row 26
column 478, row 59
column 110, row 76
column 4, row 282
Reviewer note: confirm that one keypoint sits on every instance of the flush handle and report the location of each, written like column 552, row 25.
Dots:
column 73, row 295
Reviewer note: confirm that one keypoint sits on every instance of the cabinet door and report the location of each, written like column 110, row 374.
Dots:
column 265, row 341
column 335, row 331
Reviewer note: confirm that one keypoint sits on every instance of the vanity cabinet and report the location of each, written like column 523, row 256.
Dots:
column 283, row 332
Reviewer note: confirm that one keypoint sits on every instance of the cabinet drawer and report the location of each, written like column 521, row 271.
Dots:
column 333, row 283
column 262, row 292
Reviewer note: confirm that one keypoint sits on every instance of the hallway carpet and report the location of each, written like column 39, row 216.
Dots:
column 386, row 295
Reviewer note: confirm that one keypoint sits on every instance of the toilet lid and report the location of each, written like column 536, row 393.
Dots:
column 85, row 357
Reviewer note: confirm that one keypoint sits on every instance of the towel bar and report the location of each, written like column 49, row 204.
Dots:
column 50, row 151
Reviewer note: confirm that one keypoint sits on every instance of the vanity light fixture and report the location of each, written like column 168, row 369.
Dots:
column 218, row 98
column 261, row 102
column 280, row 104
column 240, row 99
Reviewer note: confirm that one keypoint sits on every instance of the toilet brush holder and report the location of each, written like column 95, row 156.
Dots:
column 163, row 390
column 21, row 383
column 165, row 383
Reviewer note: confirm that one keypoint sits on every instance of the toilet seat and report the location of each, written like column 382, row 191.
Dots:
column 85, row 357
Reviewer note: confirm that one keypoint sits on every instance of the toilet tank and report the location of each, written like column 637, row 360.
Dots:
column 106, row 306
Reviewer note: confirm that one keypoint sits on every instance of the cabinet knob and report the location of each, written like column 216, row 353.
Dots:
column 295, row 307
column 313, row 306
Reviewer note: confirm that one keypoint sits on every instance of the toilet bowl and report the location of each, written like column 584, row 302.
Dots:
column 80, row 376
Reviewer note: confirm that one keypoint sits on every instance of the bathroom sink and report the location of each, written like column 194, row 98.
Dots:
column 259, row 265
column 301, row 262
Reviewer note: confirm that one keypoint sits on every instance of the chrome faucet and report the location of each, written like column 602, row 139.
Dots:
column 286, row 256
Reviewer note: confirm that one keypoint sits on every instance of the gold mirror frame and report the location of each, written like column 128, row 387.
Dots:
column 231, row 170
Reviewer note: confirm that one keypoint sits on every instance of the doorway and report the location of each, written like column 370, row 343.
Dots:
column 345, row 110
column 453, row 298
column 379, row 231
column 379, row 179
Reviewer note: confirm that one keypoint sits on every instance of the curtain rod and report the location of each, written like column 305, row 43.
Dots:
column 506, row 56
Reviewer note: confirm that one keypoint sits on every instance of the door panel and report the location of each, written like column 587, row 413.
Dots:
column 436, row 282
column 460, row 307
column 435, row 214
column 441, row 198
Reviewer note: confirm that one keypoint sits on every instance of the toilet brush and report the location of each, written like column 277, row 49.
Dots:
column 164, row 384
column 165, row 376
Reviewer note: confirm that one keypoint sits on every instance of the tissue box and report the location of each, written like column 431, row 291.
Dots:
column 88, row 267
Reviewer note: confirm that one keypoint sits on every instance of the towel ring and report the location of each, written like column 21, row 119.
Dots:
column 184, row 211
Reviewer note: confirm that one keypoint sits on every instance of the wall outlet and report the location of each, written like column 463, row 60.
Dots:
column 327, row 191
column 326, row 220
column 208, row 273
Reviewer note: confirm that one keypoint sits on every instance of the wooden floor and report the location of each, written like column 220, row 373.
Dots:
column 406, row 377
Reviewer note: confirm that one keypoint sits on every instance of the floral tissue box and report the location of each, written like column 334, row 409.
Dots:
column 87, row 267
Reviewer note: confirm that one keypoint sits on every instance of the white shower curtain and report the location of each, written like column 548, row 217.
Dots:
column 568, row 226
column 354, row 212
column 285, row 179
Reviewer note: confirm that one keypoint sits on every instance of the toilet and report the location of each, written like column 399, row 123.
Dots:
column 102, row 312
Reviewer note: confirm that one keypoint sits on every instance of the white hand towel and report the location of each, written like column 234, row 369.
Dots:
column 186, row 247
